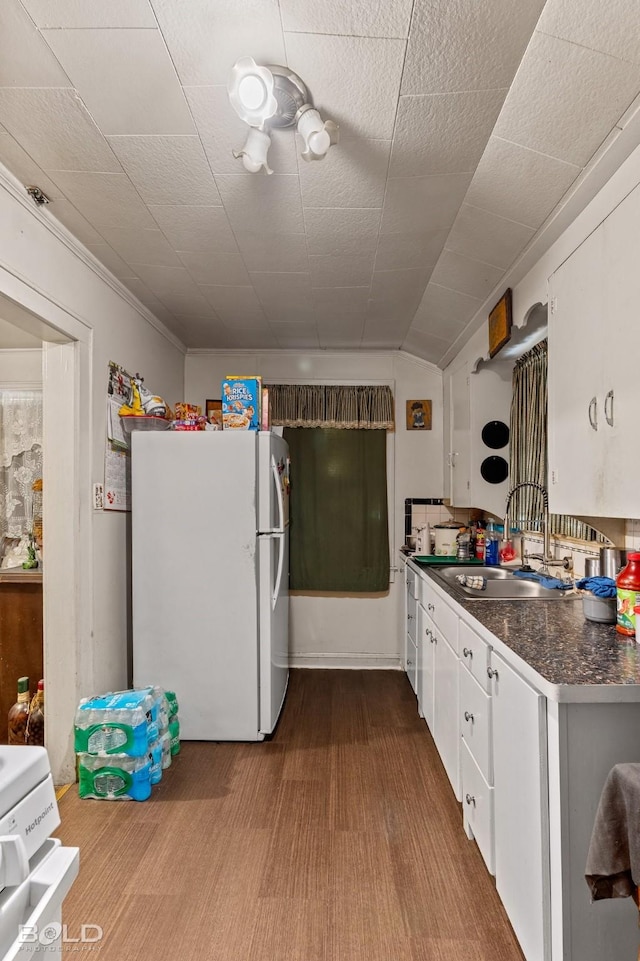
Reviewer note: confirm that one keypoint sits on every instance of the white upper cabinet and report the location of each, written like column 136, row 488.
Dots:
column 594, row 338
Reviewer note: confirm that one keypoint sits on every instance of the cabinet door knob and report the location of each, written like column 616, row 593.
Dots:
column 409, row 617
column 468, row 716
column 430, row 607
column 467, row 652
column 470, row 799
column 593, row 413
column 491, row 672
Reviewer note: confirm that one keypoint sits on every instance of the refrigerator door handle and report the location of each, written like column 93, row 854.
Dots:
column 278, row 583
column 279, row 496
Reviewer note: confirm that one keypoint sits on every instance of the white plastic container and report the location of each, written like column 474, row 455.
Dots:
column 445, row 543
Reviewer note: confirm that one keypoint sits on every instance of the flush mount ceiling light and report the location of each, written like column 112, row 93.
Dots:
column 274, row 96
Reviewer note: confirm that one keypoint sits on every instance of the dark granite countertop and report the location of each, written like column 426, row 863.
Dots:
column 573, row 659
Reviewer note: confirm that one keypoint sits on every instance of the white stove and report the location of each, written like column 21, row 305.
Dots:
column 36, row 872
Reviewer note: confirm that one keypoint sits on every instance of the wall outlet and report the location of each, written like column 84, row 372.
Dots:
column 98, row 497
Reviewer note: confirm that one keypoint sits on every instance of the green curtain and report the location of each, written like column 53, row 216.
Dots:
column 339, row 536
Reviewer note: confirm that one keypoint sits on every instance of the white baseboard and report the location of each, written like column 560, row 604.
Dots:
column 380, row 662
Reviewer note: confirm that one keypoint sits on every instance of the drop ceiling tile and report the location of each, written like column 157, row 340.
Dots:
column 334, row 231
column 519, row 184
column 141, row 245
column 391, row 311
column 54, row 127
column 338, row 17
column 296, row 336
column 403, row 286
column 105, row 199
column 426, row 346
column 414, row 204
column 354, row 81
column 236, row 306
column 195, row 228
column 341, row 335
column 207, row 268
column 112, row 261
column 468, row 276
column 273, row 251
column 90, row 13
column 262, row 203
column 175, row 288
column 329, row 270
column 410, row 249
column 167, row 170
column 291, row 315
column 222, row 132
column 203, row 332
column 126, row 78
column 149, row 299
column 429, row 141
column 384, row 334
column 570, row 113
column 23, row 167
column 342, row 299
column 353, row 174
column 205, row 39
column 25, row 59
column 483, row 236
column 251, row 338
column 72, row 219
column 444, row 312
column 612, row 28
column 280, row 289
column 466, row 45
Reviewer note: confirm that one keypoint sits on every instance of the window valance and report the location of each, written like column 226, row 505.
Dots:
column 367, row 407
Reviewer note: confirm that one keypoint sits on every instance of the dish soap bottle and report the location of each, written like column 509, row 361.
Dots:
column 35, row 723
column 627, row 595
column 19, row 713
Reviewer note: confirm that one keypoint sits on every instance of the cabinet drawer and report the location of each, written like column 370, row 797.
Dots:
column 474, row 654
column 411, row 663
column 411, row 582
column 444, row 617
column 477, row 808
column 475, row 721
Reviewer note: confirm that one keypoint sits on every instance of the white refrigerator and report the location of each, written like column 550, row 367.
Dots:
column 210, row 577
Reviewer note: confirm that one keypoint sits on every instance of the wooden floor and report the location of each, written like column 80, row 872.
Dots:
column 337, row 840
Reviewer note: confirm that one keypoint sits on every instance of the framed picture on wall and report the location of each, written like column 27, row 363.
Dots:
column 500, row 323
column 213, row 412
column 418, row 415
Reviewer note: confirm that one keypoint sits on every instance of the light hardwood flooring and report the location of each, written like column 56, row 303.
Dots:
column 337, row 840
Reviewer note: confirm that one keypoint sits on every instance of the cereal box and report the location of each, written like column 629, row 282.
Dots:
column 241, row 402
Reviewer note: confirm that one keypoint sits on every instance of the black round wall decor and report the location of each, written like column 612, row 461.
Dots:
column 494, row 469
column 495, row 434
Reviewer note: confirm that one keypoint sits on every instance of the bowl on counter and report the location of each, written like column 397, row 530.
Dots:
column 602, row 609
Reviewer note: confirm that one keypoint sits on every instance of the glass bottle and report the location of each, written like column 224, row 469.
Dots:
column 19, row 713
column 35, row 723
column 628, row 595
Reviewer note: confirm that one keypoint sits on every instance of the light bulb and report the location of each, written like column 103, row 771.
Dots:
column 251, row 91
column 254, row 152
column 317, row 135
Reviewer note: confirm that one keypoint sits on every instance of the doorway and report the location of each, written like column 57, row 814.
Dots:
column 26, row 317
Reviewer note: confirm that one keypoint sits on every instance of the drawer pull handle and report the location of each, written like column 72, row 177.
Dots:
column 467, row 652
column 468, row 716
column 430, row 607
column 410, row 617
column 470, row 799
column 491, row 672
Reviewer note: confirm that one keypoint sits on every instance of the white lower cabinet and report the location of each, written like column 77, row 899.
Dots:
column 426, row 665
column 446, row 726
column 411, row 614
column 521, row 802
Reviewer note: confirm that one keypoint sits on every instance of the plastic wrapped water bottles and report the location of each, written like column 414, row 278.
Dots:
column 124, row 722
column 115, row 778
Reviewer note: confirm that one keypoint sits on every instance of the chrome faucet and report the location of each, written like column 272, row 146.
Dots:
column 545, row 557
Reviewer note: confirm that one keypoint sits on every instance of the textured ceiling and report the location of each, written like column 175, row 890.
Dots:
column 463, row 123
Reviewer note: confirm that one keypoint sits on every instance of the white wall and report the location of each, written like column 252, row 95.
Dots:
column 349, row 631
column 42, row 268
column 20, row 367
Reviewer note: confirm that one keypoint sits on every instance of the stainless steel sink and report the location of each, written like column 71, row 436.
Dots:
column 501, row 584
